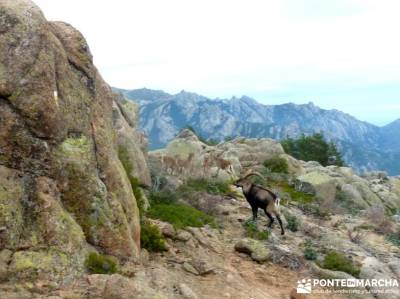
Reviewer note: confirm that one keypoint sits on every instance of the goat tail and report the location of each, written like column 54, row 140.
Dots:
column 277, row 204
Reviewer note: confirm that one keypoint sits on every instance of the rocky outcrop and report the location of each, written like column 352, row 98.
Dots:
column 188, row 157
column 132, row 144
column 341, row 183
column 63, row 188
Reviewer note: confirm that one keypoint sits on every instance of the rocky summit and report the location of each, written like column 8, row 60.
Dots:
column 87, row 212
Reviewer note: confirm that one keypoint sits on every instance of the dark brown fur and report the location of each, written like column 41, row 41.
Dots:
column 260, row 198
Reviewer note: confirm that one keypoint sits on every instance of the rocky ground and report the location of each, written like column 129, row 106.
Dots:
column 203, row 262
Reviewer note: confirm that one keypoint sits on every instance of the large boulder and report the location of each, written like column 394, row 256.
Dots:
column 187, row 156
column 63, row 187
column 317, row 183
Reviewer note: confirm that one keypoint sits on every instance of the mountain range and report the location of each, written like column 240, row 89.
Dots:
column 364, row 146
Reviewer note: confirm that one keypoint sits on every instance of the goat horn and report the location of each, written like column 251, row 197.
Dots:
column 250, row 173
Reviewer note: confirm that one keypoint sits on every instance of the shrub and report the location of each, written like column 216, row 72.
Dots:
column 309, row 253
column 292, row 222
column 180, row 215
column 101, row 264
column 394, row 238
column 379, row 219
column 355, row 235
column 313, row 148
column 253, row 232
column 212, row 187
column 338, row 262
column 276, row 164
column 163, row 196
column 151, row 238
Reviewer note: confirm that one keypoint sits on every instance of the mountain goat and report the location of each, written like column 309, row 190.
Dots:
column 260, row 197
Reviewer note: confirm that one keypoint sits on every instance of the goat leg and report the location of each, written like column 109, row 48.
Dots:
column 271, row 219
column 255, row 212
column 280, row 223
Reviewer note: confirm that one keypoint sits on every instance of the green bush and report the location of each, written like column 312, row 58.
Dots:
column 309, row 252
column 338, row 262
column 292, row 222
column 276, row 164
column 394, row 238
column 295, row 195
column 198, row 185
column 253, row 232
column 151, row 238
column 180, row 215
column 101, row 264
column 163, row 196
column 312, row 148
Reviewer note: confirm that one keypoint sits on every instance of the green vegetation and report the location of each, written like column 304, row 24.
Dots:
column 292, row 222
column 179, row 215
column 276, row 164
column 151, row 238
column 394, row 238
column 163, row 196
column 101, row 264
column 135, row 184
column 338, row 262
column 165, row 206
column 309, row 252
column 253, row 232
column 295, row 195
column 198, row 185
column 313, row 148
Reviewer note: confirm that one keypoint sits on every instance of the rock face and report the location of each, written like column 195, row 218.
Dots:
column 62, row 185
column 342, row 184
column 186, row 156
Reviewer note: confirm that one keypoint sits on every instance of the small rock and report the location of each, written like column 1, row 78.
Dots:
column 168, row 230
column 119, row 287
column 396, row 218
column 189, row 268
column 257, row 250
column 187, row 292
column 183, row 236
column 202, row 267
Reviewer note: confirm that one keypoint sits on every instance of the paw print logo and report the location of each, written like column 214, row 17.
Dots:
column 304, row 286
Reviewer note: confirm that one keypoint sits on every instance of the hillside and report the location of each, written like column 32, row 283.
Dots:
column 365, row 146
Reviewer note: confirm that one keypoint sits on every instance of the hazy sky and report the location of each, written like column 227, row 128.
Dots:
column 342, row 54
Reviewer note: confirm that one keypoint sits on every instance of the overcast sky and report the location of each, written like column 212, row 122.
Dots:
column 342, row 54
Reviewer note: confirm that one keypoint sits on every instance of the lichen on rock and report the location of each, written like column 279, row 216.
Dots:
column 62, row 185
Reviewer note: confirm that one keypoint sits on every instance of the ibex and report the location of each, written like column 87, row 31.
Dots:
column 260, row 197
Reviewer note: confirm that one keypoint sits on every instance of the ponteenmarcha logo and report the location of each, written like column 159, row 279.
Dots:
column 304, row 286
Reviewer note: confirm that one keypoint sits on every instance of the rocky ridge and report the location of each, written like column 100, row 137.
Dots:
column 364, row 146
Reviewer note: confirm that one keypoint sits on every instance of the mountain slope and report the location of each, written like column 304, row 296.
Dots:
column 365, row 146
